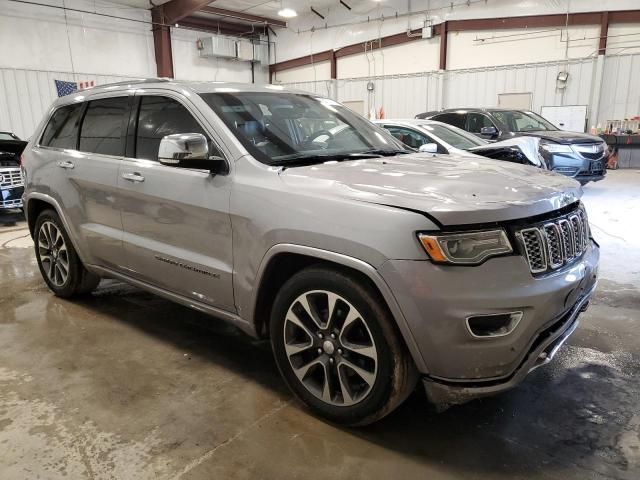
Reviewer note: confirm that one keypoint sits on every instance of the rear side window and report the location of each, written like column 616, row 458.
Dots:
column 104, row 126
column 455, row 119
column 62, row 129
column 161, row 116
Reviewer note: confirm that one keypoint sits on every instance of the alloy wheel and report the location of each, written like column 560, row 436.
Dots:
column 330, row 348
column 53, row 253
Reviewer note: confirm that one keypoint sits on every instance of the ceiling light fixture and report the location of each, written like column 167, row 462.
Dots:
column 287, row 13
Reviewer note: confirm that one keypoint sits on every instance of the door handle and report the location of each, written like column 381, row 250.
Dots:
column 65, row 164
column 133, row 177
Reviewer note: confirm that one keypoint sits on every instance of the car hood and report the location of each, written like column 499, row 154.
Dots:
column 452, row 189
column 561, row 136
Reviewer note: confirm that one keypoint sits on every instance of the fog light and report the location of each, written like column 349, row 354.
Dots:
column 493, row 324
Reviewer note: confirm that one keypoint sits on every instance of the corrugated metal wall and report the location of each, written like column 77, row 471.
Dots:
column 620, row 94
column 481, row 87
column 25, row 96
column 407, row 95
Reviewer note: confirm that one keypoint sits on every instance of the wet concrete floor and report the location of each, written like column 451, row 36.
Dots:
column 130, row 386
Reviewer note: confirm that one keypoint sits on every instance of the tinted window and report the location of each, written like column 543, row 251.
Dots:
column 455, row 119
column 158, row 117
column 454, row 136
column 62, row 129
column 407, row 136
column 104, row 125
column 477, row 121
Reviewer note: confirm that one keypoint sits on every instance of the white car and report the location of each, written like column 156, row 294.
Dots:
column 437, row 137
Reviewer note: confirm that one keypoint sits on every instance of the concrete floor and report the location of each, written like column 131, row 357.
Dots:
column 127, row 385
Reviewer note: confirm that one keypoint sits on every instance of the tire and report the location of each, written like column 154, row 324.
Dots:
column 369, row 369
column 60, row 266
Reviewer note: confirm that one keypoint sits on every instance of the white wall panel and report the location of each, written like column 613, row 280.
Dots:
column 413, row 57
column 471, row 49
column 315, row 72
column 481, row 87
column 26, row 95
column 620, row 94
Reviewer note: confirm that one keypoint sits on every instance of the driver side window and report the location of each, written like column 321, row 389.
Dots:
column 160, row 116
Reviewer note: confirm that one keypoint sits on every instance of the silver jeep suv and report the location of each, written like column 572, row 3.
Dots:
column 369, row 267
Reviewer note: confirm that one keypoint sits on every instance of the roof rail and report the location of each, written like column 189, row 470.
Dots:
column 134, row 81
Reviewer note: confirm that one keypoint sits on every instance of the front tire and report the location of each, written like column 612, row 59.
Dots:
column 59, row 264
column 338, row 349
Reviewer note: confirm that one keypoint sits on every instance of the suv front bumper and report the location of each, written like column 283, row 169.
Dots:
column 436, row 300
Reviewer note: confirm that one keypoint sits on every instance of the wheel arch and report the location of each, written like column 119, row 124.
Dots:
column 284, row 260
column 37, row 203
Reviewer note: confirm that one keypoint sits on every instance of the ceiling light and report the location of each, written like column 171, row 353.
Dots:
column 287, row 13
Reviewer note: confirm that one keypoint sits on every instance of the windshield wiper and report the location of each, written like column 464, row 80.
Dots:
column 387, row 153
column 303, row 160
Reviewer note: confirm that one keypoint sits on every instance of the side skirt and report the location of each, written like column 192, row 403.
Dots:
column 229, row 317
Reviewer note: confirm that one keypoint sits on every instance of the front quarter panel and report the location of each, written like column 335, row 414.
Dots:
column 265, row 214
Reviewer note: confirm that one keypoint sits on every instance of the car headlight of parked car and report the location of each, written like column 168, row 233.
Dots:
column 555, row 148
column 469, row 248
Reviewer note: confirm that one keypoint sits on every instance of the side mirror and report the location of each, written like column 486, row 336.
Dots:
column 428, row 148
column 488, row 132
column 189, row 150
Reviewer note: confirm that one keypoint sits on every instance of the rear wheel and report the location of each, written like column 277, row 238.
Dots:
column 58, row 261
column 338, row 349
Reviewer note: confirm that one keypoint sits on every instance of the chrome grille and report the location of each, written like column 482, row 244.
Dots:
column 592, row 151
column 555, row 243
column 10, row 177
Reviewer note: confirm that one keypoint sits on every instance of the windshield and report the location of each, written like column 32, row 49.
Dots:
column 281, row 128
column 454, row 136
column 521, row 121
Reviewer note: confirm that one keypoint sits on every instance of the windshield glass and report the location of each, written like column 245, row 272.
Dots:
column 454, row 136
column 520, row 121
column 277, row 128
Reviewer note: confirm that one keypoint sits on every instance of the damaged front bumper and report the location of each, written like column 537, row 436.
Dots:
column 543, row 348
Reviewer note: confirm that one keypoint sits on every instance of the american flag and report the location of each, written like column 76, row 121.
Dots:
column 65, row 88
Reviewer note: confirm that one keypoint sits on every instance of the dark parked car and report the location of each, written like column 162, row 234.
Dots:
column 11, row 184
column 573, row 154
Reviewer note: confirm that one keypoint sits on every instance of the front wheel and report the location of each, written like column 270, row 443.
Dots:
column 337, row 347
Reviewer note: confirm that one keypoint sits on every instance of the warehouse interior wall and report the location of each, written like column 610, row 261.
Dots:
column 40, row 44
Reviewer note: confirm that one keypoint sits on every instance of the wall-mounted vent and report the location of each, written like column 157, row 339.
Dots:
column 240, row 49
column 245, row 51
column 218, row 46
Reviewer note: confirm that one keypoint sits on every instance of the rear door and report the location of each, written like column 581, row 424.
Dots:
column 85, row 145
column 177, row 229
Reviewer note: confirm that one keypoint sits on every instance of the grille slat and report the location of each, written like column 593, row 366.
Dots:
column 555, row 243
column 10, row 177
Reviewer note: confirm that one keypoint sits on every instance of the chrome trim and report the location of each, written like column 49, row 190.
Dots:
column 565, row 237
column 543, row 250
column 581, row 148
column 549, row 245
column 513, row 325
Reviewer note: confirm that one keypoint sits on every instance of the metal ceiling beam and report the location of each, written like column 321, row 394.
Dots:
column 176, row 10
column 217, row 26
column 245, row 17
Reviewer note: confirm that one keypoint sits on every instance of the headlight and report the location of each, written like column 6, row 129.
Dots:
column 556, row 148
column 469, row 248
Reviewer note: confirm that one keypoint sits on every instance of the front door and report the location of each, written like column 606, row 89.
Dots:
column 176, row 224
